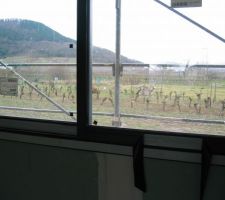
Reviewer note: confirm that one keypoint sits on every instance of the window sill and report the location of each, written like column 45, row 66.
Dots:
column 158, row 145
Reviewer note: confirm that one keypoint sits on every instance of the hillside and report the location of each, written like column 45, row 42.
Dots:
column 34, row 39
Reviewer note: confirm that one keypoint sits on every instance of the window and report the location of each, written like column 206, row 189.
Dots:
column 159, row 68
column 153, row 67
column 38, row 59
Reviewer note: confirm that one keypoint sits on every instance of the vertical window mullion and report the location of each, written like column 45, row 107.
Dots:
column 83, row 64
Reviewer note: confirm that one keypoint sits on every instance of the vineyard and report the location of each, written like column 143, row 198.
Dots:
column 190, row 100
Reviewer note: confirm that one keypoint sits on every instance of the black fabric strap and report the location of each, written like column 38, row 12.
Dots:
column 210, row 146
column 138, row 164
column 206, row 161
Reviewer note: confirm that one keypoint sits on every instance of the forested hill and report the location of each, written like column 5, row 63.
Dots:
column 29, row 38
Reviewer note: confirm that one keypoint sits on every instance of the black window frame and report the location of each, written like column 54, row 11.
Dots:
column 86, row 130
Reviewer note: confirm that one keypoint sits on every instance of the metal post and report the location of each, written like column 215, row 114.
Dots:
column 116, row 121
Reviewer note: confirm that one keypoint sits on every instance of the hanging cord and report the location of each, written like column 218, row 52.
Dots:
column 70, row 114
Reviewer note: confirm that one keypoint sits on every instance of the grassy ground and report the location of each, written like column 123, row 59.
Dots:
column 160, row 102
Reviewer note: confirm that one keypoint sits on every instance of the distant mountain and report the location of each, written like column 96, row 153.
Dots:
column 29, row 38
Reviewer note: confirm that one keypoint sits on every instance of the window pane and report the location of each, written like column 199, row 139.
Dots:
column 173, row 78
column 103, row 60
column 38, row 55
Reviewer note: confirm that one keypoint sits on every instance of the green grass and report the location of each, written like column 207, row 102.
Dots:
column 129, row 87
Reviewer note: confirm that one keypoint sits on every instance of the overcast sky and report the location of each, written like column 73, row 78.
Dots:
column 58, row 14
column 150, row 32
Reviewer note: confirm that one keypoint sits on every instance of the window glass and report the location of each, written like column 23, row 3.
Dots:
column 103, row 51
column 38, row 59
column 172, row 66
